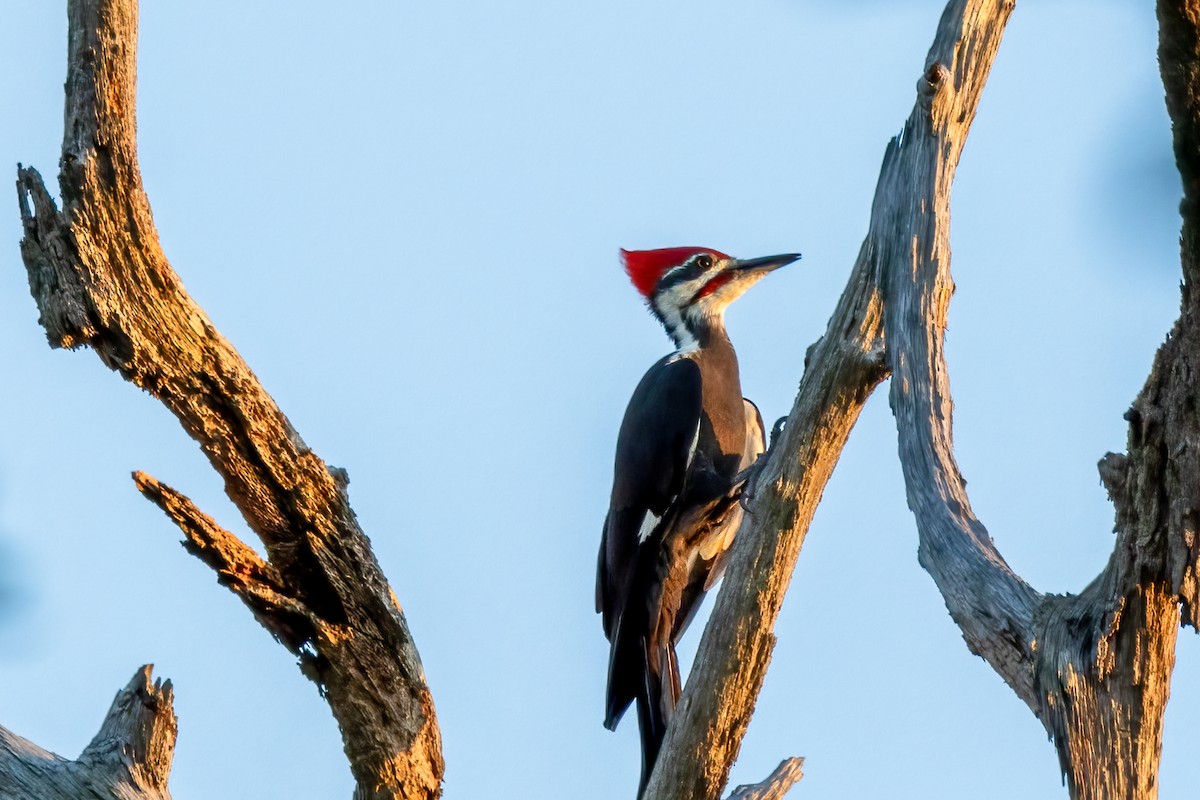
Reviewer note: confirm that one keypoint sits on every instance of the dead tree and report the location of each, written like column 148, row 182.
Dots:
column 100, row 279
column 1094, row 667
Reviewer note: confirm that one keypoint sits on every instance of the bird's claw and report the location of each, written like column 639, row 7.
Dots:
column 747, row 479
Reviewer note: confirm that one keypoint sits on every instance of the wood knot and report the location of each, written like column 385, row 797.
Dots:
column 936, row 76
column 933, row 92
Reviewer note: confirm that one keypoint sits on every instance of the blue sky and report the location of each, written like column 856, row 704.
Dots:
column 406, row 217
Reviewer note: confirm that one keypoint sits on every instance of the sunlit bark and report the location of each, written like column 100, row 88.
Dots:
column 843, row 368
column 1094, row 667
column 101, row 280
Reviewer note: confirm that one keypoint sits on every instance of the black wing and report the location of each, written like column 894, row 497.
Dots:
column 656, row 438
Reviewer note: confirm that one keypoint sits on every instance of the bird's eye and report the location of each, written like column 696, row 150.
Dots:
column 704, row 262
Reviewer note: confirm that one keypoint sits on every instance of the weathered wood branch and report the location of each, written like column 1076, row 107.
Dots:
column 1094, row 667
column 843, row 369
column 129, row 758
column 993, row 605
column 1179, row 62
column 777, row 784
column 101, row 279
column 238, row 567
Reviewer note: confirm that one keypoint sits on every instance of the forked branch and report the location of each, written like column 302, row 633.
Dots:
column 100, row 279
column 1094, row 667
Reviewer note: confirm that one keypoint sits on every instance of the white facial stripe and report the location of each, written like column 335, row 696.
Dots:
column 679, row 294
column 677, row 305
column 671, row 310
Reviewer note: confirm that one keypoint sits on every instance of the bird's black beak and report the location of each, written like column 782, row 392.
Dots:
column 764, row 264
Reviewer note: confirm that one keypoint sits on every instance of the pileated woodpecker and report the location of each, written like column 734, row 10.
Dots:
column 674, row 509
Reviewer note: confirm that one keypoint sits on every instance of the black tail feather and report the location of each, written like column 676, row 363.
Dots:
column 653, row 727
column 656, row 705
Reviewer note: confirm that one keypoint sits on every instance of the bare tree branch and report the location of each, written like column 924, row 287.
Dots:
column 1179, row 61
column 129, row 759
column 1094, row 667
column 844, row 368
column 101, row 279
column 778, row 783
column 238, row 567
column 992, row 604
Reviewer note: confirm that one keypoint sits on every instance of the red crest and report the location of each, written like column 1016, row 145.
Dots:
column 646, row 267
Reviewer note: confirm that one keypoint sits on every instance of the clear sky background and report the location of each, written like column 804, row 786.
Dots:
column 406, row 217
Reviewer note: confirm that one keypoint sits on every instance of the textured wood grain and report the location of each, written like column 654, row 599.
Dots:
column 128, row 759
column 1095, row 667
column 101, row 280
column 992, row 605
column 777, row 784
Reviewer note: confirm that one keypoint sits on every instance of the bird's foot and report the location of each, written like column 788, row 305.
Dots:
column 747, row 479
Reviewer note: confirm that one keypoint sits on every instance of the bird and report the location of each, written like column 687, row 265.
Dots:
column 686, row 436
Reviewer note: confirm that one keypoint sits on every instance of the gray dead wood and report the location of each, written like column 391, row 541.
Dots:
column 1094, row 667
column 100, row 279
column 129, row 759
column 777, row 784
